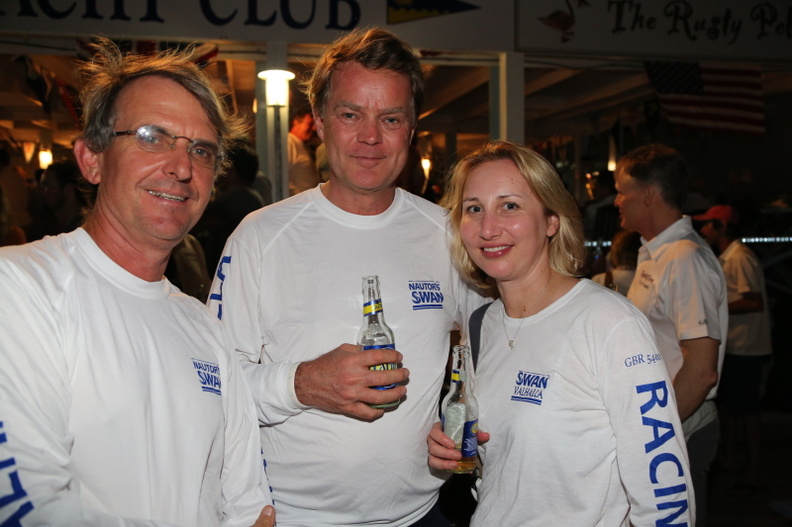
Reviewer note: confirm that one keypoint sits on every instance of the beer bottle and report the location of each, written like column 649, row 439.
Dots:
column 375, row 333
column 460, row 413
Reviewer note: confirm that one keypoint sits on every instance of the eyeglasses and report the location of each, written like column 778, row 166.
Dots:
column 156, row 140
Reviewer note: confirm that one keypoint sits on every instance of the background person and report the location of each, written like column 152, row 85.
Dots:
column 322, row 165
column 680, row 287
column 187, row 270
column 64, row 196
column 10, row 233
column 622, row 259
column 302, row 167
column 15, row 188
column 568, row 375
column 288, row 289
column 121, row 403
column 748, row 346
column 234, row 199
column 600, row 217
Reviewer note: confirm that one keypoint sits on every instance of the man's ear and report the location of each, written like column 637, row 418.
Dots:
column 88, row 161
column 319, row 125
column 650, row 193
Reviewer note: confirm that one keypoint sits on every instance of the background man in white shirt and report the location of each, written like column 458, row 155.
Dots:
column 680, row 287
column 748, row 346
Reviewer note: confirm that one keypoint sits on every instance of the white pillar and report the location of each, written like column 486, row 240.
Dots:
column 263, row 130
column 272, row 126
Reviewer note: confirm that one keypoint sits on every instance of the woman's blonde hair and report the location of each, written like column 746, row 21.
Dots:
column 567, row 250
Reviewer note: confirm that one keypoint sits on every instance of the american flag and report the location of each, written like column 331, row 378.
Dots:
column 710, row 96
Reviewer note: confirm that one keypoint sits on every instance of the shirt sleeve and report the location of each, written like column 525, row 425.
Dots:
column 38, row 485
column 235, row 300
column 694, row 292
column 743, row 271
column 650, row 446
column 245, row 487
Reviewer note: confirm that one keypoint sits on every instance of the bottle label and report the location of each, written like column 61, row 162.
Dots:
column 470, row 438
column 457, row 376
column 381, row 347
column 382, row 367
column 372, row 308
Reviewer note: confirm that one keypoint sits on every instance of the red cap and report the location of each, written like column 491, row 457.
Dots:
column 724, row 213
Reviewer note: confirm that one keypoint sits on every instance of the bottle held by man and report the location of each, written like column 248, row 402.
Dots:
column 375, row 333
column 460, row 412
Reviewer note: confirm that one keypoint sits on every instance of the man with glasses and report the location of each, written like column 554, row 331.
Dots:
column 120, row 403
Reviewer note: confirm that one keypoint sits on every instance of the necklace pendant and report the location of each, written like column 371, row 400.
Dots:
column 511, row 345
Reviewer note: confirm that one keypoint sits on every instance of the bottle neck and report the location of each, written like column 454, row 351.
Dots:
column 372, row 307
column 458, row 378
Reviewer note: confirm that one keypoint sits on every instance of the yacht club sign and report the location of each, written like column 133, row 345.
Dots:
column 448, row 24
column 216, row 13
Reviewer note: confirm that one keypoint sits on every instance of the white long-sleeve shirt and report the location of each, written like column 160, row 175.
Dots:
column 583, row 421
column 288, row 289
column 120, row 403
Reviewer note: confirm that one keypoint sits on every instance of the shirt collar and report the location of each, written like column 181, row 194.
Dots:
column 673, row 232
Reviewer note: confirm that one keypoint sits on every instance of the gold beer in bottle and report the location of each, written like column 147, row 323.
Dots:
column 460, row 412
column 375, row 333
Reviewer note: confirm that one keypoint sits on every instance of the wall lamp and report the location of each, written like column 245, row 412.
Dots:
column 45, row 158
column 426, row 164
column 277, row 86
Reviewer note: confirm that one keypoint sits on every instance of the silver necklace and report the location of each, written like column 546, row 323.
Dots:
column 503, row 319
column 511, row 340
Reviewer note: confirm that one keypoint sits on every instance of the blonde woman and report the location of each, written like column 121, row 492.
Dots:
column 583, row 427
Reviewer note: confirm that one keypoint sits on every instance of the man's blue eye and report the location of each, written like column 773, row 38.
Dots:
column 200, row 151
column 151, row 137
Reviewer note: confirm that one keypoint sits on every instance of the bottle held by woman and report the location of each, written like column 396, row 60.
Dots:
column 460, row 412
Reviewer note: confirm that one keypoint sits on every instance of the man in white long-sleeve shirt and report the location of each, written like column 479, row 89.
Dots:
column 120, row 402
column 288, row 288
